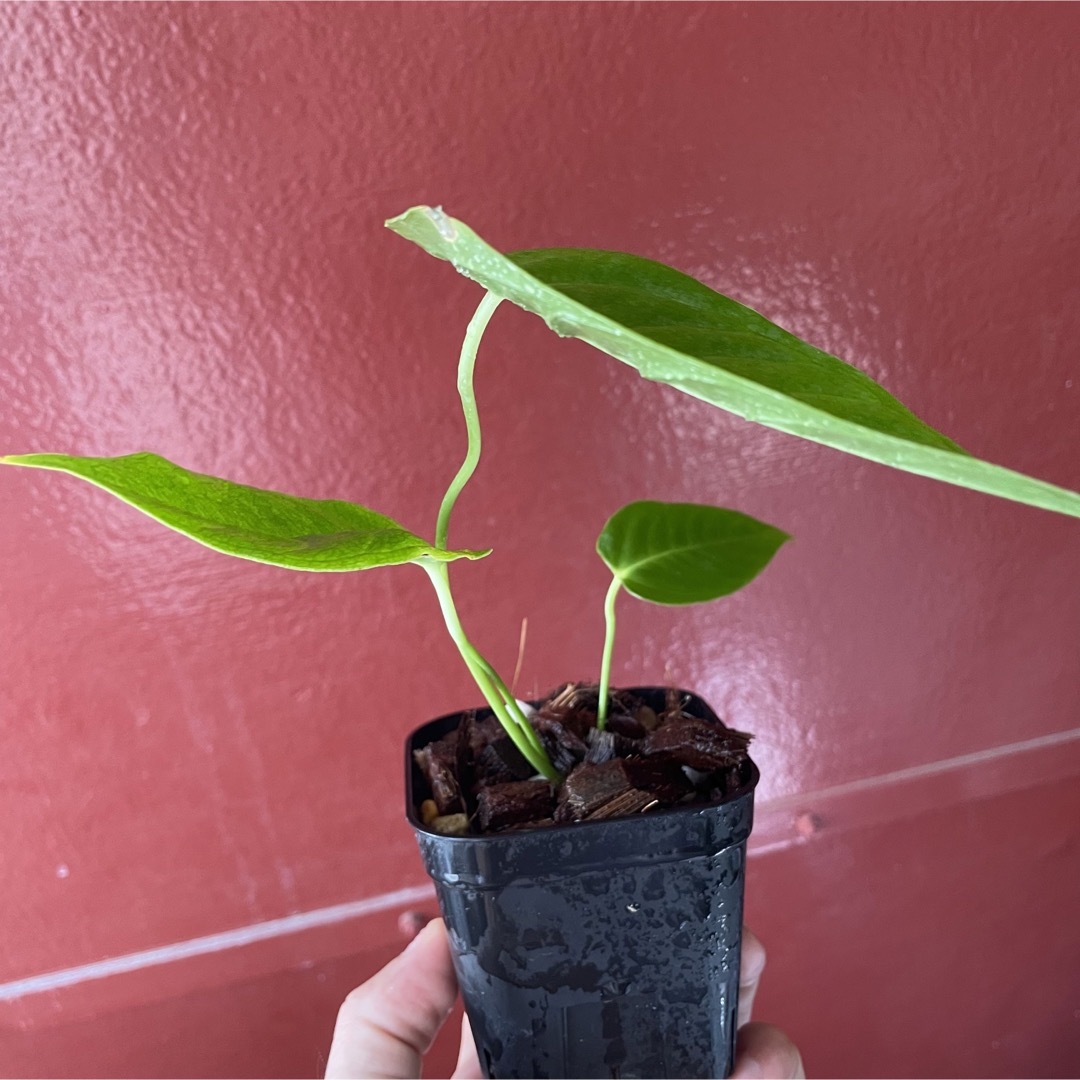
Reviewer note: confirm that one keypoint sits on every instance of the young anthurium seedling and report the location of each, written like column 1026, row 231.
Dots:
column 669, row 327
column 678, row 553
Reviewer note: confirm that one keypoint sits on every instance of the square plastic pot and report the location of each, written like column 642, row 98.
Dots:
column 597, row 949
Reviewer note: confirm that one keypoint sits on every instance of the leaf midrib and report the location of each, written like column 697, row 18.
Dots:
column 472, row 256
column 682, row 548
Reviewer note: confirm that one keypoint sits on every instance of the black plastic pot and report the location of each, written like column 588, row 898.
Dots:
column 597, row 949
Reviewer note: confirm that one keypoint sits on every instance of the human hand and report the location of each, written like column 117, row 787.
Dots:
column 761, row 1050
column 385, row 1026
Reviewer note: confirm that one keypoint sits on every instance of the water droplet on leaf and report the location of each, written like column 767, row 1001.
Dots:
column 563, row 326
column 443, row 225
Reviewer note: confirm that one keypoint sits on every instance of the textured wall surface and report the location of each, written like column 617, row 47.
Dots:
column 201, row 834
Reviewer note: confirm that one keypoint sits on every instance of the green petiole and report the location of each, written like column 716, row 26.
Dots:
column 495, row 691
column 466, row 365
column 511, row 717
column 609, row 648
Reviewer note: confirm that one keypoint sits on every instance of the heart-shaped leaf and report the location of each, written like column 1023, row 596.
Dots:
column 265, row 526
column 675, row 330
column 683, row 553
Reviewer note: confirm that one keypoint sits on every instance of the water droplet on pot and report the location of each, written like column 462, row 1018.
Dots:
column 633, row 908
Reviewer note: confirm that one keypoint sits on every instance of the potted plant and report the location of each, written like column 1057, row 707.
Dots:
column 587, row 850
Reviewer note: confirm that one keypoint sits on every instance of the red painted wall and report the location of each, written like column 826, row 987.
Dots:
column 193, row 262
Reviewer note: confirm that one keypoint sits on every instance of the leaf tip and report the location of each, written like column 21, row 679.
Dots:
column 445, row 555
column 477, row 554
column 434, row 216
column 394, row 223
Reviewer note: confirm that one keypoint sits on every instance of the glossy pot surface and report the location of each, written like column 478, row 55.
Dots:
column 597, row 949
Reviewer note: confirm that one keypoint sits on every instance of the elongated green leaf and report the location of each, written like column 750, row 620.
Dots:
column 684, row 553
column 264, row 526
column 675, row 330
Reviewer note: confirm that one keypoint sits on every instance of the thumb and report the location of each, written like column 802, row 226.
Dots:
column 385, row 1026
column 764, row 1052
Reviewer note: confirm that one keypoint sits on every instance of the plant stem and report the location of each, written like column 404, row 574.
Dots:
column 495, row 691
column 512, row 706
column 609, row 648
column 466, row 364
column 491, row 686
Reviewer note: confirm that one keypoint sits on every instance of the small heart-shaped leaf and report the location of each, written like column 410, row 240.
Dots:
column 684, row 553
column 264, row 526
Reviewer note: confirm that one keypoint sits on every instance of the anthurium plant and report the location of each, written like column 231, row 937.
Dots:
column 672, row 329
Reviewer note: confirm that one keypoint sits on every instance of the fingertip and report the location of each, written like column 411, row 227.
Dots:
column 431, row 937
column 753, row 957
column 468, row 1064
column 751, row 966
column 410, row 923
column 388, row 1023
column 766, row 1053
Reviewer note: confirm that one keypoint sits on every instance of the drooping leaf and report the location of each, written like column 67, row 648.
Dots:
column 684, row 553
column 675, row 330
column 264, row 526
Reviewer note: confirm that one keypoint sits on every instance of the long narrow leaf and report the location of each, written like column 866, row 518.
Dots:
column 675, row 330
column 264, row 526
